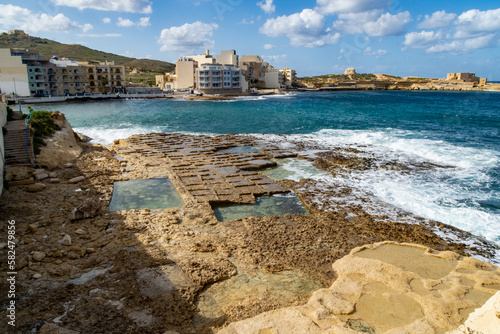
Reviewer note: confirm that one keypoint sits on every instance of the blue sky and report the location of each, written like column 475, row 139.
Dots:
column 400, row 37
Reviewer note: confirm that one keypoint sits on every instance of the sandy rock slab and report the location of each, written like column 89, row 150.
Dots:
column 391, row 288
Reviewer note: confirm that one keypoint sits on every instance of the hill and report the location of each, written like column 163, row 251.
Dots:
column 49, row 48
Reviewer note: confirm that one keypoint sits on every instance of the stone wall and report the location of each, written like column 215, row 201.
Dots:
column 3, row 120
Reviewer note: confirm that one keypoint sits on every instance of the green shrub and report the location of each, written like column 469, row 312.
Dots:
column 10, row 114
column 42, row 125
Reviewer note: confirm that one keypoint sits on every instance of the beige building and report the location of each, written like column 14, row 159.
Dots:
column 14, row 74
column 70, row 78
column 350, row 70
column 185, row 69
column 273, row 78
column 289, row 76
column 218, row 79
column 465, row 77
column 205, row 58
column 254, row 69
column 167, row 81
column 228, row 57
column 105, row 77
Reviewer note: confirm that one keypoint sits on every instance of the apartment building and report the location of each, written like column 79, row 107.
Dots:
column 254, row 72
column 105, row 77
column 67, row 78
column 218, row 79
column 185, row 69
column 14, row 74
column 289, row 76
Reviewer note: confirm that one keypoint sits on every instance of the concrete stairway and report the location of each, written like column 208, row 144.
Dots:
column 15, row 145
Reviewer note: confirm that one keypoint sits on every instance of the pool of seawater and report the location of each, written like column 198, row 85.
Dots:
column 241, row 149
column 275, row 205
column 157, row 193
column 248, row 287
column 293, row 169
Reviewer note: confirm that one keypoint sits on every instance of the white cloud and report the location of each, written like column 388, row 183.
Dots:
column 421, row 40
column 132, row 6
column 369, row 52
column 275, row 58
column 474, row 22
column 269, row 46
column 21, row 18
column 106, row 20
column 245, row 21
column 373, row 23
column 188, row 37
column 87, row 26
column 307, row 28
column 267, row 6
column 143, row 22
column 350, row 6
column 437, row 20
column 124, row 22
column 464, row 46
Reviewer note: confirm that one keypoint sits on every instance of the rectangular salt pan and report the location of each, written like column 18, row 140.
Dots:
column 276, row 205
column 157, row 193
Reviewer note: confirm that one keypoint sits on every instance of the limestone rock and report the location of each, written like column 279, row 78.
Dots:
column 392, row 288
column 88, row 209
column 37, row 276
column 80, row 231
column 17, row 173
column 205, row 271
column 33, row 227
column 35, row 187
column 39, row 256
column 68, row 165
column 66, row 240
column 61, row 147
column 41, row 176
column 52, row 175
column 21, row 182
column 77, row 179
column 484, row 320
column 55, row 180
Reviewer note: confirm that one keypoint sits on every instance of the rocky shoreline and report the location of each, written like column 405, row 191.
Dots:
column 84, row 269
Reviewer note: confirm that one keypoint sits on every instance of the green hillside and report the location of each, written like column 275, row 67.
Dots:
column 49, row 48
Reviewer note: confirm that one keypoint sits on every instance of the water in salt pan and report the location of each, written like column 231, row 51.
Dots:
column 276, row 205
column 157, row 193
column 293, row 169
column 241, row 149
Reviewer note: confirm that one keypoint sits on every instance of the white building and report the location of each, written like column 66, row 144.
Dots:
column 218, row 79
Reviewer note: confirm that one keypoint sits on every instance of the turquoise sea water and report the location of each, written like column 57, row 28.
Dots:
column 457, row 129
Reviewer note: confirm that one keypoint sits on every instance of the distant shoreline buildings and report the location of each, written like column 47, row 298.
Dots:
column 26, row 73
column 226, row 73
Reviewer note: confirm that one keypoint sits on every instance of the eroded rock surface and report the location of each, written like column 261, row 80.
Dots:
column 387, row 288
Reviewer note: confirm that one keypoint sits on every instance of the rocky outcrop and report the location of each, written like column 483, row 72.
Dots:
column 388, row 288
column 484, row 320
column 61, row 147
